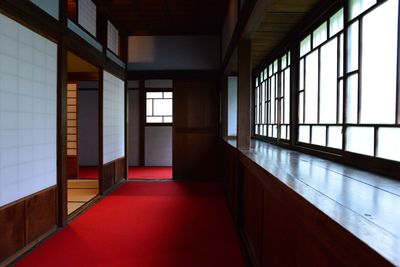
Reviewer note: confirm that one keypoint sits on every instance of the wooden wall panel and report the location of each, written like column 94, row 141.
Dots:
column 24, row 221
column 229, row 176
column 253, row 200
column 120, row 166
column 287, row 243
column 40, row 214
column 12, row 230
column 108, row 176
column 196, row 136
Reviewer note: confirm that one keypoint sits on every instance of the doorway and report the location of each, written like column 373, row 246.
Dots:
column 82, row 133
column 150, row 129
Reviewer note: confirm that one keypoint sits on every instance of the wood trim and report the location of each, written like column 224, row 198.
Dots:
column 83, row 76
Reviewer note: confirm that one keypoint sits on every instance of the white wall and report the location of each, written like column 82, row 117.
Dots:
column 232, row 106
column 174, row 53
column 28, row 112
column 113, row 118
column 158, row 146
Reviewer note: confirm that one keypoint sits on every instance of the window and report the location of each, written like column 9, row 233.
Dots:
column 112, row 38
column 321, row 84
column 87, row 16
column 158, row 107
column 272, row 100
column 348, row 98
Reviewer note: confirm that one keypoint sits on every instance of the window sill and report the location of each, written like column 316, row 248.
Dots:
column 364, row 203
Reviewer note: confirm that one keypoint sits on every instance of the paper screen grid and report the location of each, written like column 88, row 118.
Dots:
column 87, row 15
column 112, row 38
column 113, row 118
column 28, row 118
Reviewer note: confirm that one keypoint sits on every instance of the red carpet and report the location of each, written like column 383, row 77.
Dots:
column 148, row 224
column 150, row 173
column 88, row 172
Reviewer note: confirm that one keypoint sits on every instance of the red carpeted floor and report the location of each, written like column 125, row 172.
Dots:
column 88, row 172
column 148, row 224
column 150, row 173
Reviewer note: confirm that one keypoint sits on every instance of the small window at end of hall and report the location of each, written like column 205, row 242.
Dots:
column 159, row 107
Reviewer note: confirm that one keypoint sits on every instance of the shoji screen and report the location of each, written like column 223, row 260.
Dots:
column 28, row 119
column 87, row 15
column 113, row 118
column 112, row 38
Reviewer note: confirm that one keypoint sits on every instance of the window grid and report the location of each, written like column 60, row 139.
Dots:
column 272, row 98
column 362, row 124
column 153, row 101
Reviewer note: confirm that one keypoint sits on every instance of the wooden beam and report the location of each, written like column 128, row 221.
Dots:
column 244, row 95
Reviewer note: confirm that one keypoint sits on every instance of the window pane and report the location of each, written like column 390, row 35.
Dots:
column 167, row 94
column 328, row 91
column 311, row 89
column 341, row 53
column 301, row 74
column 389, row 143
column 304, row 134
column 336, row 23
column 360, row 140
column 340, row 101
column 319, row 135
column 320, row 34
column 352, row 99
column 283, row 132
column 301, row 107
column 168, row 119
column 154, row 95
column 154, row 119
column 335, row 137
column 149, row 107
column 379, row 64
column 356, row 7
column 352, row 47
column 273, row 99
column 287, row 96
column 305, row 46
column 283, row 62
column 163, row 107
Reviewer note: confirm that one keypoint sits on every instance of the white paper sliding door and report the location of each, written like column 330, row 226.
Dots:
column 28, row 113
column 113, row 118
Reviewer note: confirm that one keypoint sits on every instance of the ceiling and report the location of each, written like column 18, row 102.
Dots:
column 168, row 17
column 280, row 17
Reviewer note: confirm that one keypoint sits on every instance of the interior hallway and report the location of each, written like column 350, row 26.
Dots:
column 148, row 224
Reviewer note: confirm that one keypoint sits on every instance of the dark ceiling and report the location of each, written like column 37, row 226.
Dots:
column 168, row 17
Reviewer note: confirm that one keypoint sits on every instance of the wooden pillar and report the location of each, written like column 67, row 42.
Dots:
column 244, row 95
column 102, row 187
column 62, row 211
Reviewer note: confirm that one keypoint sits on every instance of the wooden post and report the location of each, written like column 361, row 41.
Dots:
column 62, row 211
column 244, row 95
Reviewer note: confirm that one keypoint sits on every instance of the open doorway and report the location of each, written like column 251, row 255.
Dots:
column 150, row 129
column 82, row 132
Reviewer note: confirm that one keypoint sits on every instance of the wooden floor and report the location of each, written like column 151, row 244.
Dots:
column 80, row 192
